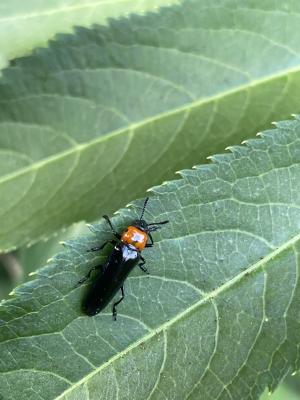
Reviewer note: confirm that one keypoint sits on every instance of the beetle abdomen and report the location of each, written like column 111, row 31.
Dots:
column 110, row 280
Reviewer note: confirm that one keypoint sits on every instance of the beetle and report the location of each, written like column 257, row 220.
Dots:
column 125, row 255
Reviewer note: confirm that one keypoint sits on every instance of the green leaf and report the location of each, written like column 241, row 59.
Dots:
column 33, row 257
column 33, row 23
column 218, row 317
column 98, row 117
column 293, row 383
column 289, row 389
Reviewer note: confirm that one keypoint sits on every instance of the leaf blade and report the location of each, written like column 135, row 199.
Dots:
column 81, row 95
column 36, row 23
column 220, row 310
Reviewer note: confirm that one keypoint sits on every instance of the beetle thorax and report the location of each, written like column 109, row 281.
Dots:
column 136, row 237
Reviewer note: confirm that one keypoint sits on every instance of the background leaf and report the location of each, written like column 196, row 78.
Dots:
column 218, row 318
column 108, row 112
column 289, row 389
column 38, row 254
column 11, row 273
column 32, row 23
column 19, row 266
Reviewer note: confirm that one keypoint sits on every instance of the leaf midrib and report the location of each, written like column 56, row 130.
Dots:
column 132, row 127
column 290, row 243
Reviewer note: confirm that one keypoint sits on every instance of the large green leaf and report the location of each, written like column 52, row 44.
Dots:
column 25, row 25
column 219, row 316
column 94, row 120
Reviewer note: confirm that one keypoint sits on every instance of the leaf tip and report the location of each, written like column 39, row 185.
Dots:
column 49, row 260
column 294, row 373
column 259, row 134
column 11, row 293
column 152, row 189
column 32, row 273
column 62, row 242
column 213, row 159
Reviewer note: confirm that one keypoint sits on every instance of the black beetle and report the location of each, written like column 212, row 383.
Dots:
column 125, row 255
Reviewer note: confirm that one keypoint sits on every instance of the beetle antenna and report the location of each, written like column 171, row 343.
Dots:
column 144, row 206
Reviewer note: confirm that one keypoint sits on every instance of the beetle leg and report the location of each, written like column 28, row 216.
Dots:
column 103, row 245
column 86, row 277
column 94, row 249
column 151, row 240
column 114, row 310
column 141, row 265
column 117, row 235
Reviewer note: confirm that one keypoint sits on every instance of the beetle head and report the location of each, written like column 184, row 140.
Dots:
column 143, row 225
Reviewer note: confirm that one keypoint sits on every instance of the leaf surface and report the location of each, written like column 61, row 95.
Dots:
column 32, row 23
column 218, row 317
column 98, row 117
